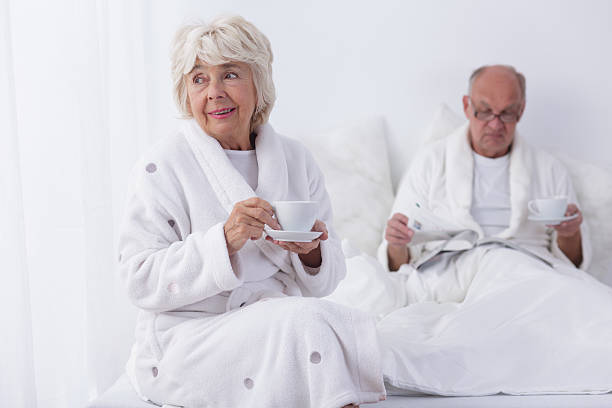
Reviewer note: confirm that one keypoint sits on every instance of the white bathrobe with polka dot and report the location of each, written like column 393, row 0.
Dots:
column 208, row 337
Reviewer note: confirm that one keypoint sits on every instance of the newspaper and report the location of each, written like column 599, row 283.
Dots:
column 428, row 227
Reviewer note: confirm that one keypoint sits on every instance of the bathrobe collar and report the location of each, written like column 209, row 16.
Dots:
column 228, row 184
column 460, row 175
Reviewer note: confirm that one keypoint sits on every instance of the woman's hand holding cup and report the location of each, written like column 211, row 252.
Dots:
column 304, row 247
column 309, row 252
column 247, row 221
column 298, row 217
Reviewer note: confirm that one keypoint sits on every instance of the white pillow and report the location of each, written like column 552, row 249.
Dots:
column 355, row 163
column 445, row 121
column 593, row 187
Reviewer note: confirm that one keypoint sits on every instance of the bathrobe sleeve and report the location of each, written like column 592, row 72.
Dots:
column 163, row 264
column 562, row 185
column 333, row 267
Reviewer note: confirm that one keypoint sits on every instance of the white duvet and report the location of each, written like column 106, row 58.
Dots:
column 516, row 327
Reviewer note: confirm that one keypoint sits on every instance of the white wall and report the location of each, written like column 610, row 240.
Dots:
column 336, row 61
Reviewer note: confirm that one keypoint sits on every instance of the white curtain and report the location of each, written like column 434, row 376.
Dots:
column 73, row 120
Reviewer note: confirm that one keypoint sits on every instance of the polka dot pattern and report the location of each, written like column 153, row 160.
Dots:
column 171, row 223
column 151, row 167
column 248, row 383
column 173, row 288
column 155, row 371
column 315, row 357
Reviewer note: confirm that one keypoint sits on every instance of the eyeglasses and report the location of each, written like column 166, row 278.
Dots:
column 487, row 116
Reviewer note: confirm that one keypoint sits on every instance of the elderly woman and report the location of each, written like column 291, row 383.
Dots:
column 228, row 319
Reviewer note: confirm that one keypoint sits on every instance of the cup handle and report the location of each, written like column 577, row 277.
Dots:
column 276, row 218
column 532, row 208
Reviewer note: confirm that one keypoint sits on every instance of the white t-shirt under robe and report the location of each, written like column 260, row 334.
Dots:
column 491, row 193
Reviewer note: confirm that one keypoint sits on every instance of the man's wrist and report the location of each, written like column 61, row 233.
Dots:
column 569, row 238
column 312, row 259
column 397, row 256
column 571, row 246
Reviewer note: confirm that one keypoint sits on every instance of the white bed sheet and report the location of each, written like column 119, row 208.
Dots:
column 498, row 401
column 121, row 395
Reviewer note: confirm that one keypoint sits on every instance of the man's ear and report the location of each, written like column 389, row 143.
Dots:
column 466, row 105
column 521, row 110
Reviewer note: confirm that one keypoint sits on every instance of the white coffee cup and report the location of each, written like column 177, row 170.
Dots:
column 296, row 215
column 552, row 207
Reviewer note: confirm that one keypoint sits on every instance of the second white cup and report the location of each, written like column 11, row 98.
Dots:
column 296, row 215
column 553, row 207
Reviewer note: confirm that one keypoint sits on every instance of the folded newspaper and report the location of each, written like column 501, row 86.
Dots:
column 429, row 228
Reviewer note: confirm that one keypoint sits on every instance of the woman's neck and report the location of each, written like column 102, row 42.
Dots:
column 237, row 143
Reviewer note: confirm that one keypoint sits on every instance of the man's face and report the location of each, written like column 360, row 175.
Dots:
column 495, row 91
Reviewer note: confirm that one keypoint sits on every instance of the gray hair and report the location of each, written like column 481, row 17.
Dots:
column 520, row 78
column 225, row 39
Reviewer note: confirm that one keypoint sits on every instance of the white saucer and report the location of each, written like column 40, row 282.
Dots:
column 551, row 221
column 292, row 236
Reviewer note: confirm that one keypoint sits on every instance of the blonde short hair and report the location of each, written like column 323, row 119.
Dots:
column 225, row 39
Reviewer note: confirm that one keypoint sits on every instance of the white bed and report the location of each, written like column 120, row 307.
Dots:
column 355, row 162
column 499, row 401
column 121, row 395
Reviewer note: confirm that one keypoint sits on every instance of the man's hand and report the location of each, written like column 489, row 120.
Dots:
column 246, row 222
column 309, row 252
column 569, row 238
column 398, row 235
column 568, row 229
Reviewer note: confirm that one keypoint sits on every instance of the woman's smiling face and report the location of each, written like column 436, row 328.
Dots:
column 222, row 99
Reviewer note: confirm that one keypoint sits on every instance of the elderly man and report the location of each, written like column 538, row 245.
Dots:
column 482, row 176
column 510, row 312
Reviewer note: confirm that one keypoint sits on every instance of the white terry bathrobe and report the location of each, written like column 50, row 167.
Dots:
column 493, row 319
column 440, row 179
column 213, row 332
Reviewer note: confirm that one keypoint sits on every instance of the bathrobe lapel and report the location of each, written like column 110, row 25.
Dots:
column 225, row 180
column 273, row 178
column 460, row 176
column 520, row 185
column 230, row 187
